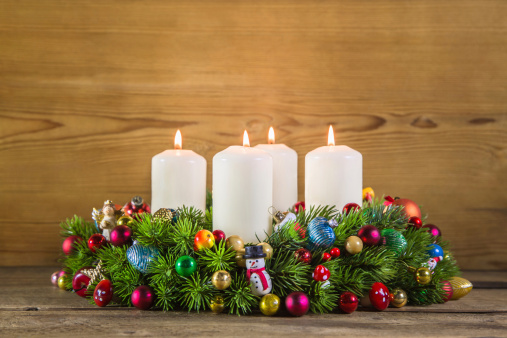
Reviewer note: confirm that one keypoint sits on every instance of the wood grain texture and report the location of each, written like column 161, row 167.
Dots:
column 89, row 92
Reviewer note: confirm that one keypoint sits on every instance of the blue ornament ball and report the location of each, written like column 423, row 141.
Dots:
column 320, row 234
column 435, row 250
column 140, row 256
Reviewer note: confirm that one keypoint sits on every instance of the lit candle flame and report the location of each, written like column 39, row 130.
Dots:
column 246, row 141
column 330, row 137
column 177, row 140
column 271, row 136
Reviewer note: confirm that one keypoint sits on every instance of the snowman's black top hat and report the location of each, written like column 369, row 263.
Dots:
column 254, row 252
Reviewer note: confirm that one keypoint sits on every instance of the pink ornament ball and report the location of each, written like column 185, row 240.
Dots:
column 297, row 304
column 219, row 236
column 447, row 288
column 68, row 244
column 143, row 297
column 369, row 234
column 121, row 235
column 54, row 278
column 433, row 230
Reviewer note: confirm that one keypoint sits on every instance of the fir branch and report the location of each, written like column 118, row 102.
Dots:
column 209, row 200
column 287, row 273
column 196, row 292
column 285, row 238
column 216, row 258
column 80, row 258
column 238, row 297
column 181, row 237
column 305, row 216
column 79, row 227
column 166, row 295
column 125, row 282
column 323, row 298
column 193, row 215
column 162, row 270
column 114, row 258
column 151, row 231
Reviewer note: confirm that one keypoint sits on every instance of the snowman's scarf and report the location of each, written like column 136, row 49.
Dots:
column 258, row 271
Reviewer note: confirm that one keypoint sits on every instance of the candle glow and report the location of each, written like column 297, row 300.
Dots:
column 246, row 141
column 177, row 140
column 271, row 136
column 330, row 137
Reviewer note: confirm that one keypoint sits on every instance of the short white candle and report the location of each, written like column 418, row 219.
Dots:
column 285, row 172
column 333, row 175
column 178, row 177
column 243, row 191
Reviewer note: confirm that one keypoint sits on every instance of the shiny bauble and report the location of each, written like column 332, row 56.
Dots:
column 217, row 304
column 321, row 273
column 96, row 241
column 80, row 282
column 368, row 194
column 136, row 207
column 185, row 266
column 435, row 250
column 415, row 222
column 422, row 275
column 335, row 252
column 299, row 207
column 69, row 243
column 204, row 239
column 369, row 234
column 447, row 289
column 297, row 303
column 234, row 242
column 394, row 241
column 348, row 302
column 267, row 249
column 410, row 208
column 326, row 256
column 143, row 297
column 303, row 255
column 350, row 207
column 433, row 230
column 219, row 236
column 221, row 279
column 62, row 281
column 320, row 234
column 379, row 296
column 269, row 304
column 54, row 278
column 167, row 215
column 353, row 245
column 460, row 287
column 125, row 220
column 398, row 297
column 140, row 256
column 121, row 235
column 240, row 261
column 103, row 293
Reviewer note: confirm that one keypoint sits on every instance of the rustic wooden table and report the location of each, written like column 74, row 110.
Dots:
column 30, row 305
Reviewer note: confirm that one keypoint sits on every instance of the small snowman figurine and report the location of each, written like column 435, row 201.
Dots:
column 109, row 221
column 260, row 281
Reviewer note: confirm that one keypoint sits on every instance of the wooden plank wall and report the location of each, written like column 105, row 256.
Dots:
column 91, row 90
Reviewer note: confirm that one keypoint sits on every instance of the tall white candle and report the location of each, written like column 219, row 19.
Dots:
column 285, row 172
column 178, row 177
column 333, row 175
column 243, row 191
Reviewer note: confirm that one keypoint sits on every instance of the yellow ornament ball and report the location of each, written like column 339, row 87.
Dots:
column 353, row 245
column 368, row 194
column 398, row 297
column 204, row 239
column 269, row 304
column 240, row 261
column 234, row 242
column 221, row 279
column 217, row 304
column 125, row 220
column 61, row 282
column 423, row 276
column 267, row 249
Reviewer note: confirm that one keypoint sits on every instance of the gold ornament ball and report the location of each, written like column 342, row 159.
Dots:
column 217, row 304
column 240, row 261
column 423, row 276
column 353, row 245
column 234, row 242
column 125, row 220
column 269, row 304
column 267, row 249
column 460, row 287
column 221, row 279
column 398, row 297
column 61, row 282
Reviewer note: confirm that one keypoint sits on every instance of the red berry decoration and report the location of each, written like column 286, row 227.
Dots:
column 299, row 206
column 447, row 288
column 369, row 234
column 103, row 293
column 433, row 230
column 303, row 255
column 219, row 236
column 136, row 207
column 121, row 235
column 297, row 303
column 410, row 208
column 379, row 296
column 143, row 297
column 415, row 222
column 350, row 207
column 326, row 257
column 321, row 273
column 80, row 282
column 335, row 252
column 348, row 302
column 68, row 244
column 96, row 241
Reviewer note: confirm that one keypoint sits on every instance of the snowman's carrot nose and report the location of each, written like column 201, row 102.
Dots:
column 253, row 263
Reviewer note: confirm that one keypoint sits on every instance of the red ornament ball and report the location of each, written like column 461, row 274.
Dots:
column 433, row 230
column 136, row 207
column 68, row 244
column 80, row 282
column 447, row 288
column 326, row 257
column 350, row 207
column 410, row 208
column 299, row 206
column 103, row 293
column 303, row 255
column 121, row 235
column 297, row 303
column 321, row 273
column 335, row 252
column 219, row 236
column 415, row 222
column 379, row 296
column 369, row 234
column 143, row 297
column 348, row 302
column 96, row 241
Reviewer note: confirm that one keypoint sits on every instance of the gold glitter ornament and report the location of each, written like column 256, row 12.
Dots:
column 353, row 245
column 221, row 279
column 460, row 287
column 269, row 304
column 234, row 242
column 166, row 214
column 217, row 304
column 423, row 276
column 267, row 249
column 398, row 297
column 61, row 282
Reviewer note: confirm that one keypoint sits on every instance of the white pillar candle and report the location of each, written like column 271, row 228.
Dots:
column 178, row 177
column 243, row 191
column 285, row 172
column 333, row 175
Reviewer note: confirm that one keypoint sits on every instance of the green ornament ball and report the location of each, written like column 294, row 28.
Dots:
column 185, row 266
column 394, row 241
